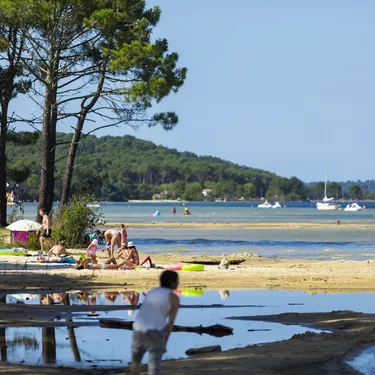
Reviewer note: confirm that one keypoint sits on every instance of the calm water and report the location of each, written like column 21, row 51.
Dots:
column 96, row 346
column 223, row 213
column 334, row 242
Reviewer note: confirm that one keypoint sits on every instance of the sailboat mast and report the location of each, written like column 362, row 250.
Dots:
column 325, row 184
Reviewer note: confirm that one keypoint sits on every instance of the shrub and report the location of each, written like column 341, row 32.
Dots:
column 74, row 221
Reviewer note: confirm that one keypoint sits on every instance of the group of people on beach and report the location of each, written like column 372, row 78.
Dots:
column 155, row 319
column 127, row 253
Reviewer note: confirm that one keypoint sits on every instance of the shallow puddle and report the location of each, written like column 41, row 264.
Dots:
column 364, row 363
column 104, row 347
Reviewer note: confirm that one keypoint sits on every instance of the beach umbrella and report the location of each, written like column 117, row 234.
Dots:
column 24, row 226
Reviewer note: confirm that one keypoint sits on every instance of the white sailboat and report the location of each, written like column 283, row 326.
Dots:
column 326, row 205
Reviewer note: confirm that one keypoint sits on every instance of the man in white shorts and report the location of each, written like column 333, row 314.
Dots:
column 154, row 323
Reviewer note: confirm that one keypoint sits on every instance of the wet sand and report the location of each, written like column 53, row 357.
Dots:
column 255, row 273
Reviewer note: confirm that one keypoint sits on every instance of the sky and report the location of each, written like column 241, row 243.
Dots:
column 286, row 86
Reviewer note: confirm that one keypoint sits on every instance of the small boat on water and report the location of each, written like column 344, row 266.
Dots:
column 353, row 207
column 265, row 205
column 219, row 200
column 93, row 205
column 276, row 205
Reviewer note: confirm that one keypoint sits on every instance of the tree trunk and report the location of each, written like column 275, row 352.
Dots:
column 68, row 176
column 44, row 173
column 47, row 174
column 3, row 174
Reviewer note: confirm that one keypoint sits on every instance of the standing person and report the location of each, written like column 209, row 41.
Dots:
column 91, row 250
column 154, row 323
column 46, row 229
column 112, row 238
column 124, row 234
column 173, row 209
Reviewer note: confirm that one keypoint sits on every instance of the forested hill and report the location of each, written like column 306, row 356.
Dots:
column 120, row 168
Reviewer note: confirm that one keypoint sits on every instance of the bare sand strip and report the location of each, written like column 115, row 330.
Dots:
column 256, row 273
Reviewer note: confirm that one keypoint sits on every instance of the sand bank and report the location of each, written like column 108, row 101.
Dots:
column 255, row 273
column 213, row 225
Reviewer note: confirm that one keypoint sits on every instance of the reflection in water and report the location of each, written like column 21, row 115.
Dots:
column 29, row 343
column 3, row 343
column 48, row 345
column 48, row 335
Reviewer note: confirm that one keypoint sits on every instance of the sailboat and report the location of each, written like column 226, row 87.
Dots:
column 326, row 205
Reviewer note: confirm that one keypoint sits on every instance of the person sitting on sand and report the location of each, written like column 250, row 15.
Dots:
column 58, row 250
column 130, row 254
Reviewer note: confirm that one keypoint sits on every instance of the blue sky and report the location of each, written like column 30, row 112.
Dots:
column 287, row 86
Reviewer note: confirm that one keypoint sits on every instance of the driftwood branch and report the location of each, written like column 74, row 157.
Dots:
column 216, row 330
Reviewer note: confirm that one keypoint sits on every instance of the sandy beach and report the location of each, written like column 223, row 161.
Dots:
column 309, row 353
column 255, row 273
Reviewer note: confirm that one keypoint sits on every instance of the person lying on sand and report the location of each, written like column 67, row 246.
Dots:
column 109, row 264
column 57, row 259
column 58, row 250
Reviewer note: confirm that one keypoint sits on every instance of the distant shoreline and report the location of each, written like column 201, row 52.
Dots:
column 212, row 225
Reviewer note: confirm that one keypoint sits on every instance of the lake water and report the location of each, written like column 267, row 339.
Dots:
column 95, row 346
column 335, row 242
column 230, row 212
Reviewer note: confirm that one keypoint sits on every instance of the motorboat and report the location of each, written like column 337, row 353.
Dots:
column 93, row 205
column 276, row 205
column 353, row 207
column 219, row 200
column 326, row 205
column 265, row 205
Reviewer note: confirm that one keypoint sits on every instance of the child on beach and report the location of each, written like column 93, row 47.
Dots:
column 91, row 251
column 124, row 234
column 154, row 323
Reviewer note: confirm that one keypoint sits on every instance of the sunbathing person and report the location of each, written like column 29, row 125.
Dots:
column 58, row 250
column 109, row 264
column 57, row 259
column 130, row 255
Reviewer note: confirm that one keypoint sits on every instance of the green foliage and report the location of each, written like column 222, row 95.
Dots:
column 282, row 188
column 120, row 168
column 193, row 192
column 74, row 222
column 355, row 192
